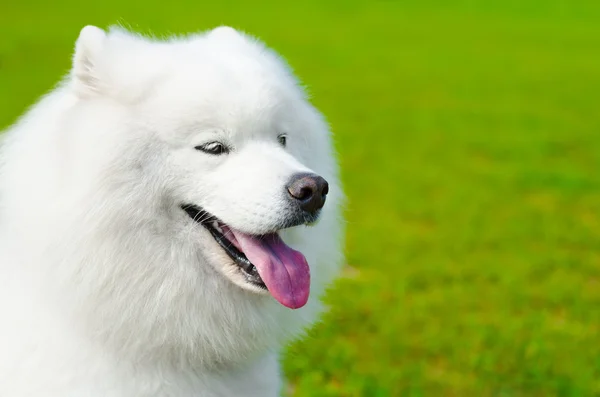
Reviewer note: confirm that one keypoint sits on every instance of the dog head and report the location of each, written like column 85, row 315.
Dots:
column 194, row 182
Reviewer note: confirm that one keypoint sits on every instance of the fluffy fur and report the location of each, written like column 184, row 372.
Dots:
column 107, row 288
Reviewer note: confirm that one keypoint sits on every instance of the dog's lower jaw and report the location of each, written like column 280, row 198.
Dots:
column 240, row 265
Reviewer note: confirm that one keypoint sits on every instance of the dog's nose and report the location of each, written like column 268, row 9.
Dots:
column 309, row 190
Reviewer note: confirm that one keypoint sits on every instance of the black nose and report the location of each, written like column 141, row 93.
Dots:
column 309, row 190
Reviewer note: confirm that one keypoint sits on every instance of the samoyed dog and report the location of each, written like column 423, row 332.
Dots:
column 170, row 216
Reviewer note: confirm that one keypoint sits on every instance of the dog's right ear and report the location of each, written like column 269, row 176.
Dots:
column 88, row 49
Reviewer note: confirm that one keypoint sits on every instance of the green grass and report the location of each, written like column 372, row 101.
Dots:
column 469, row 136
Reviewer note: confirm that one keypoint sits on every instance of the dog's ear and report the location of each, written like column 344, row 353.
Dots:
column 88, row 51
column 225, row 32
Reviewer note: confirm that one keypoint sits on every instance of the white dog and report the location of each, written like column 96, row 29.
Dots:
column 149, row 206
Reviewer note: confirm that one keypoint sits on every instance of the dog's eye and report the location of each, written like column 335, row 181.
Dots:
column 215, row 148
column 282, row 140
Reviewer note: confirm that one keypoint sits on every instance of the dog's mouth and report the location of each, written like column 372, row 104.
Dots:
column 265, row 260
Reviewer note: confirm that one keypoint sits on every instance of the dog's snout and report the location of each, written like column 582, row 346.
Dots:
column 309, row 190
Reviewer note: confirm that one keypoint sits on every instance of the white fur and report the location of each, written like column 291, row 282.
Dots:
column 107, row 288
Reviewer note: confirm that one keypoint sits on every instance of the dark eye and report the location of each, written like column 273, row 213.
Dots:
column 215, row 148
column 282, row 140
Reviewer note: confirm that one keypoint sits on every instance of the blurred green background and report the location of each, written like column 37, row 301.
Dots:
column 469, row 137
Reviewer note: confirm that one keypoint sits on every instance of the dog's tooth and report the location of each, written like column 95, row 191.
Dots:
column 216, row 226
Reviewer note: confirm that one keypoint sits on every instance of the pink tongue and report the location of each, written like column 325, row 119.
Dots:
column 284, row 270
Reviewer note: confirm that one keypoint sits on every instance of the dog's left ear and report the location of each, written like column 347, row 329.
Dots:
column 88, row 50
